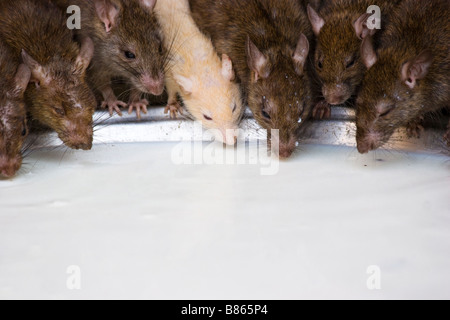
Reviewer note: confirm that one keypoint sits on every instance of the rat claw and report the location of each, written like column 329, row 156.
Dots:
column 173, row 109
column 140, row 106
column 114, row 106
column 415, row 129
column 321, row 110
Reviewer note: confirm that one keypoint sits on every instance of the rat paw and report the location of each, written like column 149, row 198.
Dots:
column 415, row 129
column 173, row 109
column 114, row 105
column 322, row 110
column 140, row 106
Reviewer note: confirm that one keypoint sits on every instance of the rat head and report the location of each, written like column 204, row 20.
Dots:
column 60, row 97
column 13, row 126
column 392, row 94
column 134, row 42
column 279, row 93
column 214, row 99
column 337, row 58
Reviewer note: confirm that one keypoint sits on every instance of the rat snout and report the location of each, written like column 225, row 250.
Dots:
column 369, row 142
column 153, row 85
column 77, row 136
column 336, row 94
column 286, row 148
column 9, row 166
column 227, row 136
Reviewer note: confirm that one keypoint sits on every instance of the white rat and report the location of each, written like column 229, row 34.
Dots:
column 197, row 74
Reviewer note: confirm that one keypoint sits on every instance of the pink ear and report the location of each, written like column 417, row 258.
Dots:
column 360, row 26
column 149, row 4
column 417, row 68
column 368, row 53
column 301, row 53
column 317, row 21
column 107, row 12
column 37, row 71
column 257, row 62
column 86, row 53
column 186, row 84
column 22, row 78
column 227, row 68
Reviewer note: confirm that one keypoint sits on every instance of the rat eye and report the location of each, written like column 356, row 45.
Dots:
column 161, row 49
column 234, row 109
column 24, row 130
column 59, row 111
column 319, row 65
column 266, row 115
column 388, row 111
column 351, row 63
column 207, row 118
column 130, row 55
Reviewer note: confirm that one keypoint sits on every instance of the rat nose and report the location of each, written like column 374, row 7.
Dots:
column 336, row 94
column 153, row 85
column 9, row 167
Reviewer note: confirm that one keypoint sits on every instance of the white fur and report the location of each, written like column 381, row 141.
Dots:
column 196, row 71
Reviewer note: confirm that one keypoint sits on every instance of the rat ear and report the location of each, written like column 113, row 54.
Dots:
column 86, row 53
column 301, row 53
column 186, row 84
column 417, row 68
column 227, row 68
column 360, row 26
column 22, row 78
column 368, row 53
column 107, row 12
column 257, row 62
column 317, row 21
column 38, row 74
column 148, row 4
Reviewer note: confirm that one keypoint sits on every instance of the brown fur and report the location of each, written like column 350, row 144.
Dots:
column 13, row 126
column 136, row 30
column 63, row 102
column 337, row 56
column 285, row 95
column 386, row 102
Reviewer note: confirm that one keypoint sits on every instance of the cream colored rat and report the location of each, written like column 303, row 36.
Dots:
column 197, row 74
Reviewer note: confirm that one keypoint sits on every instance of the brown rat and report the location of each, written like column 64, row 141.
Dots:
column 340, row 27
column 269, row 55
column 128, row 45
column 408, row 76
column 14, row 79
column 58, row 96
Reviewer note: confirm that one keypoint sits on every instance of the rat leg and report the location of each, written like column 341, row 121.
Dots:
column 138, row 103
column 321, row 110
column 173, row 105
column 111, row 101
column 415, row 128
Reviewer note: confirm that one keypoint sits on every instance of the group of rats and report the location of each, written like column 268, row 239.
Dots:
column 288, row 60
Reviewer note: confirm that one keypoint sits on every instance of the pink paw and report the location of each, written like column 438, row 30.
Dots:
column 321, row 111
column 415, row 129
column 114, row 105
column 173, row 109
column 140, row 106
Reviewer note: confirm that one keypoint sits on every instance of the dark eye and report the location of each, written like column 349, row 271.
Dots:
column 234, row 109
column 161, row 49
column 266, row 115
column 207, row 118
column 319, row 65
column 130, row 55
column 384, row 114
column 351, row 63
column 59, row 111
column 24, row 130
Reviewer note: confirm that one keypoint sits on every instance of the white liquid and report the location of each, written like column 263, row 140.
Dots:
column 139, row 226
